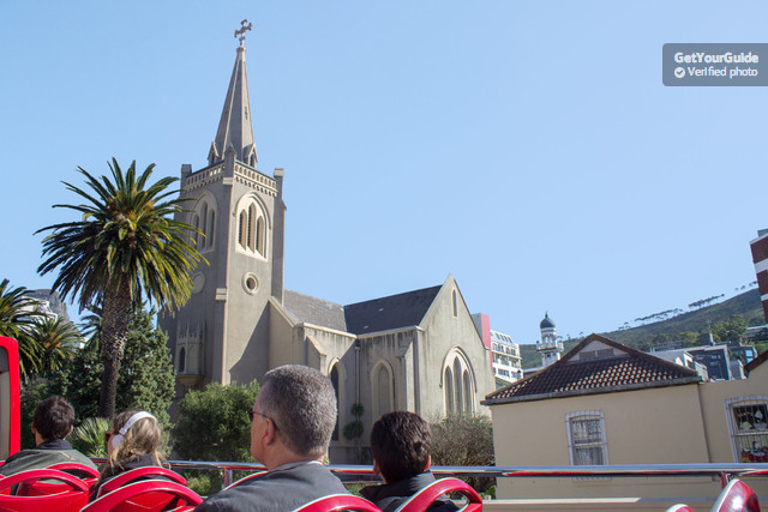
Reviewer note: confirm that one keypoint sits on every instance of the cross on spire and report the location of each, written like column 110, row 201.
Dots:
column 240, row 34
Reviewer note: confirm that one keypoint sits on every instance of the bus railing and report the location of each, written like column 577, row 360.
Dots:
column 725, row 472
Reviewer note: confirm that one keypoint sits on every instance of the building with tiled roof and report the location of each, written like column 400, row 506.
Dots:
column 606, row 403
column 596, row 365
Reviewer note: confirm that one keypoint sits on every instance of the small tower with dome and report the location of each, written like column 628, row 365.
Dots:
column 549, row 347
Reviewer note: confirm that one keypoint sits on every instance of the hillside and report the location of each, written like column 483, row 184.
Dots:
column 746, row 304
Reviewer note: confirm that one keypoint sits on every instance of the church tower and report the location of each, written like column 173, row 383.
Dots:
column 549, row 348
column 222, row 333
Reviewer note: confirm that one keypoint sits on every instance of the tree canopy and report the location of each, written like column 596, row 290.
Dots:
column 126, row 244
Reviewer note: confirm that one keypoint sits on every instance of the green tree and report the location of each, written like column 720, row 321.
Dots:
column 18, row 318
column 463, row 440
column 213, row 423
column 56, row 341
column 731, row 330
column 147, row 377
column 126, row 244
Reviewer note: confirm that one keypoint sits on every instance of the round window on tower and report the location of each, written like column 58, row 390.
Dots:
column 250, row 283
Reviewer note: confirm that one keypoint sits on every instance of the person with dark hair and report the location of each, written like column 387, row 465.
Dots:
column 401, row 442
column 291, row 426
column 51, row 424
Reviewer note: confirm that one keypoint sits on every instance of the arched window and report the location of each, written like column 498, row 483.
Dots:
column 455, row 304
column 383, row 390
column 182, row 359
column 458, row 383
column 253, row 227
column 211, row 226
column 241, row 235
column 260, row 242
column 335, row 382
column 448, row 392
column 467, row 393
column 457, row 386
column 204, row 220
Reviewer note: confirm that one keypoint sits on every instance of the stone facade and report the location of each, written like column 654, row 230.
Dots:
column 418, row 350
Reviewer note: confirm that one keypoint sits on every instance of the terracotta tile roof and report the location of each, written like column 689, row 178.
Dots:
column 626, row 369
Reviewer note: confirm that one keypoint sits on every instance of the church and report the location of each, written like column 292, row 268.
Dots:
column 416, row 351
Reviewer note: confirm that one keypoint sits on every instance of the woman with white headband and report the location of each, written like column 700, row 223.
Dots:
column 135, row 441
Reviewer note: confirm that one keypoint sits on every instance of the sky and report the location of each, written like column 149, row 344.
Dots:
column 528, row 148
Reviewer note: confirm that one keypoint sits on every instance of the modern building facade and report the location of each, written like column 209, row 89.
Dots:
column 759, row 247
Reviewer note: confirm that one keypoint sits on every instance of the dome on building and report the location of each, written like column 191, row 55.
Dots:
column 547, row 323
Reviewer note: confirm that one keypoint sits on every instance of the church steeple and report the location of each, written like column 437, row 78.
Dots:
column 235, row 127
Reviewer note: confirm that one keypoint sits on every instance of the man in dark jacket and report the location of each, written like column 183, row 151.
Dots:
column 291, row 426
column 51, row 424
column 400, row 443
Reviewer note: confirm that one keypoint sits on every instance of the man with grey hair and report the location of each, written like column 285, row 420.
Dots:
column 291, row 426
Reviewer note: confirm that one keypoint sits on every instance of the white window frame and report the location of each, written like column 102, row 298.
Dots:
column 586, row 415
column 733, row 428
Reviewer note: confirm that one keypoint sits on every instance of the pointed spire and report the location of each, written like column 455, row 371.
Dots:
column 235, row 127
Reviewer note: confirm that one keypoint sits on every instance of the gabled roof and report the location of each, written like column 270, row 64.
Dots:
column 311, row 310
column 387, row 313
column 383, row 314
column 581, row 371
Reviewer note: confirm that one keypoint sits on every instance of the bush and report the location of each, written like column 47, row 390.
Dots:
column 464, row 441
column 213, row 426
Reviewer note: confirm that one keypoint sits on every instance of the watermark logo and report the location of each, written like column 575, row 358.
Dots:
column 738, row 64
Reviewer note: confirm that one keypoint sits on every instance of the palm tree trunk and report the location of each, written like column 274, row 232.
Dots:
column 115, row 315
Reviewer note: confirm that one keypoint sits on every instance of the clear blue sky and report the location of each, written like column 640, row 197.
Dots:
column 529, row 148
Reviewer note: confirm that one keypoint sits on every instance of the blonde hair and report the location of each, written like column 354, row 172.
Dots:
column 144, row 436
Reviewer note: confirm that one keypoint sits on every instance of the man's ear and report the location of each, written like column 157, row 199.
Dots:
column 71, row 428
column 429, row 463
column 376, row 470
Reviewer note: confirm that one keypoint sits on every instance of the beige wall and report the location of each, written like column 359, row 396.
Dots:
column 670, row 425
column 654, row 426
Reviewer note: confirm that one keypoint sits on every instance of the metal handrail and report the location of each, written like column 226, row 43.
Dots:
column 723, row 471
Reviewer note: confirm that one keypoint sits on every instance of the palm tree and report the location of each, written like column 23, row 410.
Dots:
column 18, row 318
column 126, row 244
column 57, row 340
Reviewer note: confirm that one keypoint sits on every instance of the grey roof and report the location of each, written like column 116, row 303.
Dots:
column 314, row 311
column 547, row 323
column 393, row 312
column 383, row 314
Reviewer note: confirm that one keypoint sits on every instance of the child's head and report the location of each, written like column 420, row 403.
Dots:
column 401, row 442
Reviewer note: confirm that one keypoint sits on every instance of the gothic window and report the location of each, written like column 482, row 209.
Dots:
column 455, row 304
column 252, row 229
column 459, row 400
column 586, row 438
column 448, row 391
column 204, row 219
column 458, row 384
column 335, row 382
column 241, row 232
column 748, row 425
column 467, row 393
column 383, row 392
column 182, row 359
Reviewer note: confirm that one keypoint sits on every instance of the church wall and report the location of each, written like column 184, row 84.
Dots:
column 445, row 337
column 247, row 350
